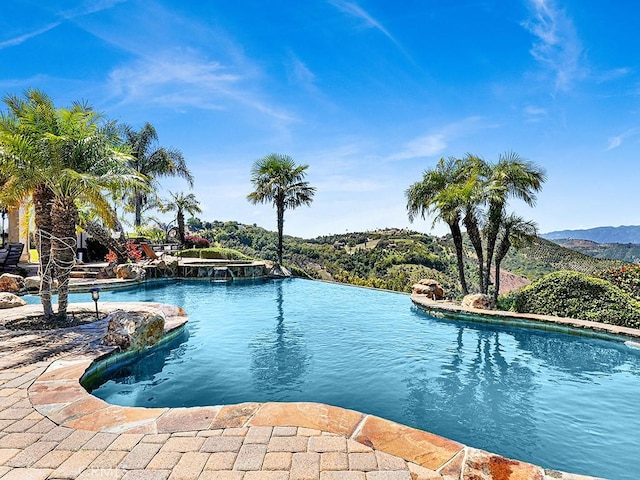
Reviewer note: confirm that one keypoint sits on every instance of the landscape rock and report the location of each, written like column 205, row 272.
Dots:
column 33, row 283
column 430, row 288
column 134, row 330
column 107, row 272
column 129, row 271
column 279, row 271
column 9, row 300
column 11, row 283
column 478, row 300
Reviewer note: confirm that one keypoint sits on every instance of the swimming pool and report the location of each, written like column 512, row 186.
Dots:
column 560, row 401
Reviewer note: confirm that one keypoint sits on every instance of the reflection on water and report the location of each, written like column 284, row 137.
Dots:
column 279, row 357
column 475, row 392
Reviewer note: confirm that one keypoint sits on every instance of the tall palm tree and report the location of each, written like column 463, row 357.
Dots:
column 439, row 193
column 515, row 232
column 181, row 203
column 278, row 180
column 152, row 161
column 472, row 194
column 514, row 177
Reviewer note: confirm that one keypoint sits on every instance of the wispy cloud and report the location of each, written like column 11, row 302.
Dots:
column 615, row 142
column 71, row 14
column 557, row 47
column 436, row 142
column 354, row 10
column 12, row 42
column 181, row 79
column 534, row 113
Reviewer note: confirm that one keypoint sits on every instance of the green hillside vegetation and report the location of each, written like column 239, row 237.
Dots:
column 544, row 257
column 391, row 259
column 628, row 252
column 576, row 295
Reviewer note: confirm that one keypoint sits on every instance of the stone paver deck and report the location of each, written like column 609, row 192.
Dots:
column 51, row 428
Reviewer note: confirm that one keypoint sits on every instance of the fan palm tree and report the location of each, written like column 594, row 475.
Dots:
column 514, row 177
column 278, row 180
column 181, row 203
column 152, row 162
column 439, row 193
column 516, row 232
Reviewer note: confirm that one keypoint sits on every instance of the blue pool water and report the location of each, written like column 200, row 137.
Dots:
column 561, row 401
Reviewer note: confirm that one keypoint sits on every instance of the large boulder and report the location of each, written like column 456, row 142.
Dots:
column 134, row 330
column 129, row 271
column 11, row 283
column 479, row 301
column 430, row 288
column 9, row 300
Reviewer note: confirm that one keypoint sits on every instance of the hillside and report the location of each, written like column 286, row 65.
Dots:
column 393, row 259
column 622, row 234
column 629, row 252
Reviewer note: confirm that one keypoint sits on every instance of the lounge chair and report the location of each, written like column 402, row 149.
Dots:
column 148, row 251
column 10, row 257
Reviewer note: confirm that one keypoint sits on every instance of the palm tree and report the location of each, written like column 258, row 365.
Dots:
column 516, row 232
column 181, row 203
column 24, row 161
column 278, row 180
column 472, row 194
column 514, row 177
column 152, row 161
column 76, row 158
column 439, row 193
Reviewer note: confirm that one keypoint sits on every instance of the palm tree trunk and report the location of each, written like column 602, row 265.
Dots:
column 471, row 224
column 180, row 219
column 64, row 215
column 456, row 233
column 102, row 235
column 42, row 200
column 280, row 208
column 503, row 248
column 138, row 209
column 493, row 228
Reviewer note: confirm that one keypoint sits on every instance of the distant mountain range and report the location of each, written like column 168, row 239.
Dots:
column 622, row 234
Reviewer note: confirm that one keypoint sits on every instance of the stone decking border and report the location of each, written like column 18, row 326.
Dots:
column 443, row 308
column 58, row 395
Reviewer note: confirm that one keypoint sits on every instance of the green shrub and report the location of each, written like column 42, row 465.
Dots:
column 576, row 295
column 213, row 253
column 627, row 278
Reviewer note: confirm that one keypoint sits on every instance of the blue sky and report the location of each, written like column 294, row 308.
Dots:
column 368, row 93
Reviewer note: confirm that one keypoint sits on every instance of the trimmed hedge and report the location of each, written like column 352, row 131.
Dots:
column 213, row 253
column 576, row 295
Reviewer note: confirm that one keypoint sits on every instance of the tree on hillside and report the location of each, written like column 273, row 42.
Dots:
column 439, row 193
column 278, row 180
column 153, row 162
column 181, row 203
column 514, row 232
column 510, row 177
